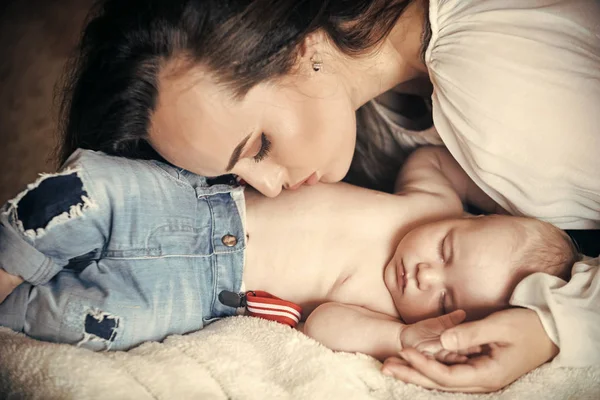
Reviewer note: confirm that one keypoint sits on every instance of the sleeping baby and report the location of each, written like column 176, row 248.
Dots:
column 111, row 252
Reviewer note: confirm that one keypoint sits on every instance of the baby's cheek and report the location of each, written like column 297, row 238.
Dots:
column 418, row 310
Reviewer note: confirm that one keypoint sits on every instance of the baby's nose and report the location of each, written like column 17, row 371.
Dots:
column 428, row 276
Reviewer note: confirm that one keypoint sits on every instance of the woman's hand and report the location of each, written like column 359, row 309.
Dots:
column 425, row 335
column 516, row 344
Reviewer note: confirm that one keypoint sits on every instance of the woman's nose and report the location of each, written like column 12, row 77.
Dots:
column 269, row 183
column 267, row 188
column 428, row 276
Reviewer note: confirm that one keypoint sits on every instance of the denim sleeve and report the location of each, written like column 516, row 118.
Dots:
column 57, row 218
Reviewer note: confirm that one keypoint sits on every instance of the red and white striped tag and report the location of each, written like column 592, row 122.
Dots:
column 265, row 305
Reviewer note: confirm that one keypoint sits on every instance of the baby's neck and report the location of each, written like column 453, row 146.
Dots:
column 325, row 243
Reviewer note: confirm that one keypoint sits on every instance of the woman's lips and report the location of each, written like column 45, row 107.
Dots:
column 311, row 180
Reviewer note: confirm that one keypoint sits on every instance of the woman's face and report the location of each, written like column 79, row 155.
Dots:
column 299, row 129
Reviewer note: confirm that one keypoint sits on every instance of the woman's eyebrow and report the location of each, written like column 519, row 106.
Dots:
column 237, row 152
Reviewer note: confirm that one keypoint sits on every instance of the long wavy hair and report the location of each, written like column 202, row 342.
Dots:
column 110, row 87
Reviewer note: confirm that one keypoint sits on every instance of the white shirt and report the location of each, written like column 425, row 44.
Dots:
column 517, row 102
column 569, row 311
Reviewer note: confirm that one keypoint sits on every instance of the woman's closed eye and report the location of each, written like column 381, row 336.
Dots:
column 265, row 148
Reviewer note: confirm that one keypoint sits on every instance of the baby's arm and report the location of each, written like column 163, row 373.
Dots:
column 433, row 171
column 349, row 328
column 344, row 327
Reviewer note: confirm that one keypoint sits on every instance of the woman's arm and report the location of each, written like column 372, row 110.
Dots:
column 61, row 216
column 349, row 328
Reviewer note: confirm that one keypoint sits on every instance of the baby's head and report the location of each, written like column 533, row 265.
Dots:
column 472, row 263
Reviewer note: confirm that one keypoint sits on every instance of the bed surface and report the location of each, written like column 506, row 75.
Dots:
column 237, row 358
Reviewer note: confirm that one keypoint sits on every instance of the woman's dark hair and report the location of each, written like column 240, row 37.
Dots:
column 110, row 87
column 378, row 157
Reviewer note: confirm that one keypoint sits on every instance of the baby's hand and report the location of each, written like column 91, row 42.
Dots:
column 425, row 335
column 8, row 283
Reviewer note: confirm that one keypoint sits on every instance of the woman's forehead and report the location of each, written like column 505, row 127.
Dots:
column 197, row 124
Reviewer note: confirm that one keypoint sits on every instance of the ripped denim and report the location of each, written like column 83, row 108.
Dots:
column 115, row 252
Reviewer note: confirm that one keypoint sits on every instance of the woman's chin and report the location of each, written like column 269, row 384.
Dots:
column 335, row 175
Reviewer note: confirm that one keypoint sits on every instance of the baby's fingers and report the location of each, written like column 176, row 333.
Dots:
column 471, row 350
column 431, row 346
column 450, row 357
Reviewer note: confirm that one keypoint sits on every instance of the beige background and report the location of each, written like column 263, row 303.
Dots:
column 36, row 38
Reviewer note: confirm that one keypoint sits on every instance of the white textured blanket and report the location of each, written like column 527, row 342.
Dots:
column 237, row 358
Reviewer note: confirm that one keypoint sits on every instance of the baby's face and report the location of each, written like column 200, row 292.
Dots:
column 455, row 264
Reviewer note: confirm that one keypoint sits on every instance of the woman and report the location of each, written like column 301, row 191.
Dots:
column 267, row 90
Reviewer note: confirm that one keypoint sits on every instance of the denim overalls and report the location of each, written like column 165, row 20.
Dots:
column 116, row 252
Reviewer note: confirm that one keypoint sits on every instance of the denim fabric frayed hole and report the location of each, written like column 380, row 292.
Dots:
column 51, row 200
column 101, row 327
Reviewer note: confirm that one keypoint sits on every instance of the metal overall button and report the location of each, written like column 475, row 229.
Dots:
column 229, row 240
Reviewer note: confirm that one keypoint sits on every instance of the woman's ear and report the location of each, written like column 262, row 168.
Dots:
column 314, row 43
column 317, row 52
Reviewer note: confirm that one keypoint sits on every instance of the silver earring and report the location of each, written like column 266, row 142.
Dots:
column 317, row 64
